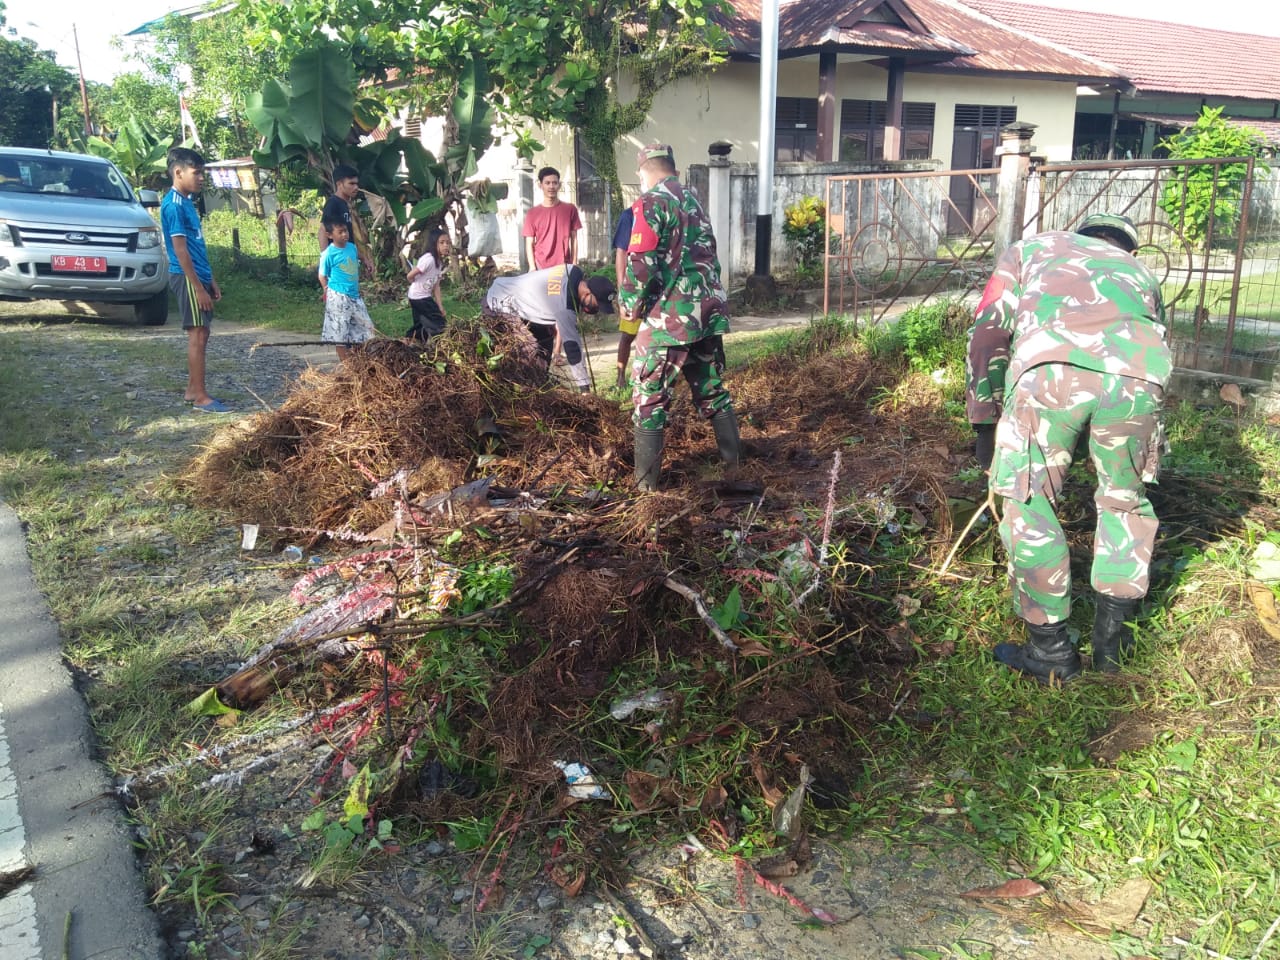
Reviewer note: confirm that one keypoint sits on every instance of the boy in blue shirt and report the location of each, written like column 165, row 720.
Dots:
column 190, row 276
column 346, row 320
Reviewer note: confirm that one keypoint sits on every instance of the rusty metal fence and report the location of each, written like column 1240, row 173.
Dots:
column 906, row 237
column 900, row 239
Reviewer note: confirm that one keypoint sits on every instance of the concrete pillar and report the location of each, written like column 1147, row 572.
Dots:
column 1148, row 138
column 1115, row 124
column 718, row 165
column 524, row 201
column 1011, row 193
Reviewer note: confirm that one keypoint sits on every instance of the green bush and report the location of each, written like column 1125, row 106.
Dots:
column 804, row 225
column 1207, row 196
column 929, row 336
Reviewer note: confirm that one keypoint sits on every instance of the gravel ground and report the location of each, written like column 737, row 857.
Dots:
column 889, row 901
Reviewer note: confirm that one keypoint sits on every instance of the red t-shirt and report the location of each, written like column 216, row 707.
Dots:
column 552, row 229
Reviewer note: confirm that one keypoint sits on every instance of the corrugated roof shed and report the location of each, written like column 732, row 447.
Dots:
column 975, row 41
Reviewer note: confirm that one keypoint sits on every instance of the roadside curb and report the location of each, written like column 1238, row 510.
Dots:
column 84, row 897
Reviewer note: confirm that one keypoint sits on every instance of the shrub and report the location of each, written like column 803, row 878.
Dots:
column 804, row 226
column 932, row 336
column 1208, row 196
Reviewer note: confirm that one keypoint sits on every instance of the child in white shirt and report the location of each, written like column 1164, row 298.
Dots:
column 425, row 298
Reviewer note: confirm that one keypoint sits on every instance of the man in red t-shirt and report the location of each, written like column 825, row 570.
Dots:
column 551, row 229
column 550, row 232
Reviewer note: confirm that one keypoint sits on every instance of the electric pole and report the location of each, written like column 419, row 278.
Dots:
column 84, row 94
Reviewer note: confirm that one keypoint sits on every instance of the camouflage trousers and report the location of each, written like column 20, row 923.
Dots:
column 1048, row 409
column 654, row 370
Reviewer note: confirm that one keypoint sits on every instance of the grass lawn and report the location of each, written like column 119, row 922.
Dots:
column 1259, row 297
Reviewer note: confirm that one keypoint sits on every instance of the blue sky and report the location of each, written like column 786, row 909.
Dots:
column 98, row 21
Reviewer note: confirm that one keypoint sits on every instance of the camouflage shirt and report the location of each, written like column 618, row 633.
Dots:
column 672, row 271
column 1064, row 298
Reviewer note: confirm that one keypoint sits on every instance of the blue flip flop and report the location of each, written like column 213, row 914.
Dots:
column 213, row 406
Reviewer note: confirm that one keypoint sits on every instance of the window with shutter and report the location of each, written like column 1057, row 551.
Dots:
column 862, row 130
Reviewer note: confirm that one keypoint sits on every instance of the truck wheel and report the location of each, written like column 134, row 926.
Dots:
column 153, row 312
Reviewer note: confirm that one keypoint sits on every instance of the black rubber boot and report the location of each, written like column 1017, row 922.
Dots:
column 725, row 424
column 1048, row 655
column 648, row 458
column 1112, row 635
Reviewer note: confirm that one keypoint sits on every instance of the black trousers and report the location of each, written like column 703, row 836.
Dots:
column 428, row 320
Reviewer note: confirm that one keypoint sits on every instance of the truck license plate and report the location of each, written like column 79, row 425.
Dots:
column 65, row 264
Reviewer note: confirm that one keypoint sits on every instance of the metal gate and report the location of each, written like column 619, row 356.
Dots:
column 898, row 239
column 891, row 239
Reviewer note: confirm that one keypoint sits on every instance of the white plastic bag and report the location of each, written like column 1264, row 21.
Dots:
column 484, row 239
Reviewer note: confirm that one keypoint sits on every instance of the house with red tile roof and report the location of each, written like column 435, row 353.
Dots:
column 873, row 80
column 879, row 79
column 1173, row 70
column 865, row 82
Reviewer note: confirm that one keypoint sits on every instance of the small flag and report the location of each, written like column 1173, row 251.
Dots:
column 189, row 133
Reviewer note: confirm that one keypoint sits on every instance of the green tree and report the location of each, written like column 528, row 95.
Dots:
column 209, row 58
column 33, row 88
column 138, row 150
column 136, row 96
column 308, row 122
column 556, row 62
column 1207, row 197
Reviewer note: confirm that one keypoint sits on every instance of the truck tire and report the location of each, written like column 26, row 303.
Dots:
column 153, row 312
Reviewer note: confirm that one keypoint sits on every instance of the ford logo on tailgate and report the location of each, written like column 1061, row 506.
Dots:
column 76, row 237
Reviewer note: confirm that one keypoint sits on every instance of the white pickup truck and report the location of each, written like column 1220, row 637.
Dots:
column 71, row 228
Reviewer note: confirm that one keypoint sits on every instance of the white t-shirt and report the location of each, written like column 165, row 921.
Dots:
column 425, row 282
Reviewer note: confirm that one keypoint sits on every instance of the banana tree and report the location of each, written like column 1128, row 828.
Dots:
column 315, row 119
column 139, row 152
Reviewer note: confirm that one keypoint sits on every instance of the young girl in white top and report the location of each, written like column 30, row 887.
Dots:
column 425, row 298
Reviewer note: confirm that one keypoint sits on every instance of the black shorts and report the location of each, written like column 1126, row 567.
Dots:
column 192, row 315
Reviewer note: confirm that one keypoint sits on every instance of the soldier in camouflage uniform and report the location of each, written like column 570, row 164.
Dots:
column 673, row 287
column 1070, row 337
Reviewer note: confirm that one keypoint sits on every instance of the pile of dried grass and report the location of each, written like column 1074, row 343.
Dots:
column 396, row 406
column 589, row 608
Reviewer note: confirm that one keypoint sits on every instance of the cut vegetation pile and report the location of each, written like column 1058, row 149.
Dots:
column 511, row 588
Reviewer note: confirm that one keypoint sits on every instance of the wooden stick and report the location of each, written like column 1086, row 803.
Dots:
column 700, row 605
column 988, row 504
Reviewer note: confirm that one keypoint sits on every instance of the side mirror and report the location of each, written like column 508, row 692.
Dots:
column 149, row 198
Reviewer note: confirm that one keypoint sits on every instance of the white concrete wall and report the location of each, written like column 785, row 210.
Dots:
column 691, row 114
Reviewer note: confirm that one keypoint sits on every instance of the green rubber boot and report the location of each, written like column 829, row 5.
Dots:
column 725, row 424
column 648, row 456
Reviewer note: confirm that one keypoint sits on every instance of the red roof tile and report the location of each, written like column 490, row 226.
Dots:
column 1008, row 49
column 1156, row 57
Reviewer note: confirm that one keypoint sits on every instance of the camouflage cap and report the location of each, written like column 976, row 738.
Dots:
column 654, row 151
column 1111, row 227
